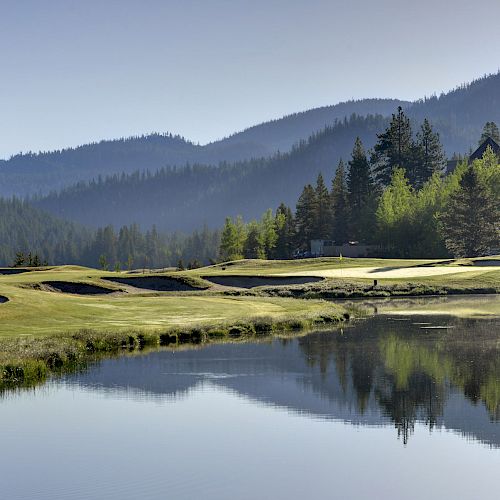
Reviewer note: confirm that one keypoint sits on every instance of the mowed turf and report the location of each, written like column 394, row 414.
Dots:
column 30, row 311
column 34, row 310
column 270, row 267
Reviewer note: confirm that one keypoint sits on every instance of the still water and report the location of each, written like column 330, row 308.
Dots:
column 389, row 408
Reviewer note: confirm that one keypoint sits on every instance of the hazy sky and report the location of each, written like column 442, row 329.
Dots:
column 73, row 71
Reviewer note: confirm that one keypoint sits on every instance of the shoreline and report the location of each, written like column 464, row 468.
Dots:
column 27, row 361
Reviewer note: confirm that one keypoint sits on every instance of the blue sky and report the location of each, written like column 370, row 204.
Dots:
column 74, row 71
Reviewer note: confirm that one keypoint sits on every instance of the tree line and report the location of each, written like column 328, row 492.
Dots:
column 30, row 238
column 397, row 197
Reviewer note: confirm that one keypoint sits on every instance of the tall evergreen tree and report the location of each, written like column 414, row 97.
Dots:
column 430, row 157
column 361, row 196
column 339, row 196
column 394, row 148
column 232, row 240
column 268, row 232
column 253, row 247
column 323, row 216
column 305, row 217
column 490, row 129
column 471, row 221
column 394, row 214
column 285, row 230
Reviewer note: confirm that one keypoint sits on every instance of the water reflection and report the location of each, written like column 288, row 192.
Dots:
column 380, row 372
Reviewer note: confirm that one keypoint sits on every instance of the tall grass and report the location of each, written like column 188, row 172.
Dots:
column 28, row 361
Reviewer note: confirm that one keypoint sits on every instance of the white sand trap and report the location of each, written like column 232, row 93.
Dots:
column 390, row 272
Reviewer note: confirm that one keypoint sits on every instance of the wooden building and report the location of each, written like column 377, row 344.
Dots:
column 477, row 154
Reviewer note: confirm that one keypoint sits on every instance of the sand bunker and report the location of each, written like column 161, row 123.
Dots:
column 75, row 288
column 390, row 272
column 253, row 281
column 156, row 283
column 487, row 263
column 7, row 271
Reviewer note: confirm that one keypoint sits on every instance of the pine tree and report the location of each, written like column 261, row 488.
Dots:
column 394, row 215
column 130, row 261
column 305, row 217
column 340, row 226
column 285, row 231
column 490, row 129
column 254, row 245
column 323, row 216
column 232, row 239
column 362, row 195
column 430, row 157
column 394, row 148
column 103, row 262
column 19, row 259
column 471, row 220
column 268, row 230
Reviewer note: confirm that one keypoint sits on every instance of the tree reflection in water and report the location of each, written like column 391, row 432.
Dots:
column 410, row 369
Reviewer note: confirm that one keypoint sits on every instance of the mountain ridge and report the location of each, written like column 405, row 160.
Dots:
column 40, row 173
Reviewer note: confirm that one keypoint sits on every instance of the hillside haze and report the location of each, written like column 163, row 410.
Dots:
column 242, row 174
column 186, row 198
column 40, row 173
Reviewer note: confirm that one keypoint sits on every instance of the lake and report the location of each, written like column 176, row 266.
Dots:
column 390, row 407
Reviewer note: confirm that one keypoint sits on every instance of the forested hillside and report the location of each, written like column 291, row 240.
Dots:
column 283, row 133
column 186, row 198
column 29, row 236
column 459, row 115
column 28, row 230
column 132, row 181
column 36, row 173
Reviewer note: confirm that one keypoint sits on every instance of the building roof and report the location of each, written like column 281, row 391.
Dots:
column 479, row 152
column 451, row 165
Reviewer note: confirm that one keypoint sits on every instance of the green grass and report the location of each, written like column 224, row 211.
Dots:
column 475, row 280
column 43, row 332
column 484, row 306
column 31, row 311
column 267, row 267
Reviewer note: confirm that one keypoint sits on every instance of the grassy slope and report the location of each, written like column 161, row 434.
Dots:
column 266, row 267
column 36, row 312
column 477, row 277
column 102, row 325
column 459, row 306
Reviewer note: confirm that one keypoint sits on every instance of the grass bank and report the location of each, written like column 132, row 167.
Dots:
column 26, row 361
column 54, row 319
column 341, row 288
column 355, row 278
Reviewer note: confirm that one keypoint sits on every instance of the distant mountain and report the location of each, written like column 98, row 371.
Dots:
column 283, row 133
column 186, row 198
column 460, row 115
column 231, row 176
column 33, row 173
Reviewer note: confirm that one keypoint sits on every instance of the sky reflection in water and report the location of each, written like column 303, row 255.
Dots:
column 386, row 409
